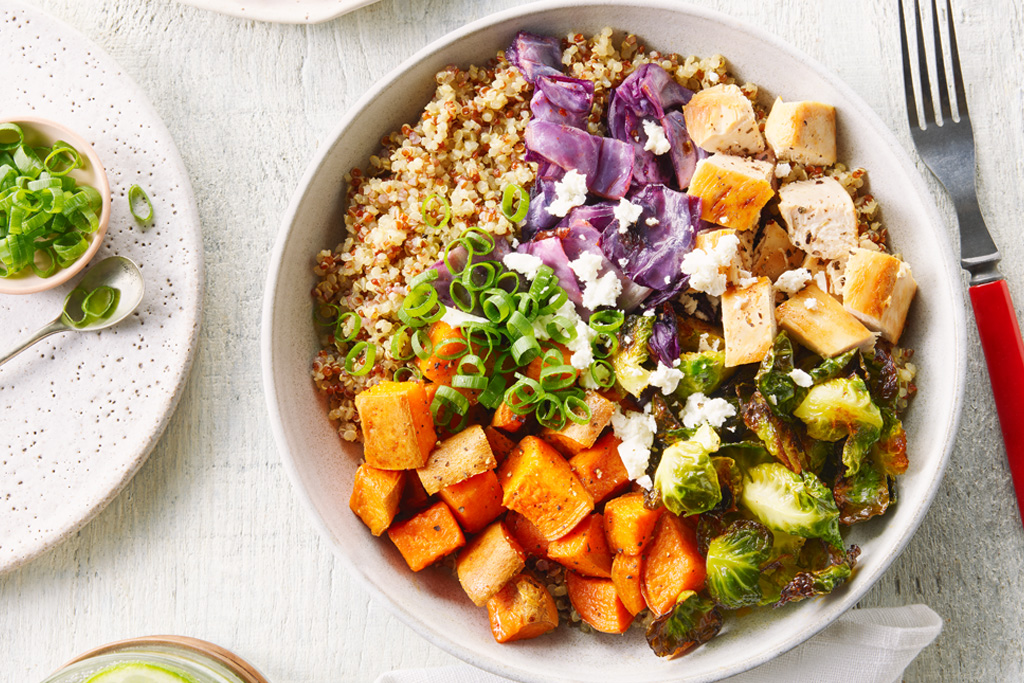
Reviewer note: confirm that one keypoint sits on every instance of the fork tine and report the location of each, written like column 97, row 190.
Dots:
column 940, row 67
column 908, row 76
column 958, row 77
column 922, row 68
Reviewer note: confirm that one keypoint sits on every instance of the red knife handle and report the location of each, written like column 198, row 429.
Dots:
column 1004, row 355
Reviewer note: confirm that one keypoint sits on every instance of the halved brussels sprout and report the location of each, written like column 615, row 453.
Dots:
column 693, row 621
column 797, row 504
column 686, row 478
column 734, row 562
column 628, row 361
column 842, row 407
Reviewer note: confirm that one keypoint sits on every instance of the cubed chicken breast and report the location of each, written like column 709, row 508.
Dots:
column 878, row 291
column 708, row 239
column 721, row 119
column 732, row 189
column 775, row 254
column 815, row 319
column 749, row 322
column 820, row 217
column 804, row 132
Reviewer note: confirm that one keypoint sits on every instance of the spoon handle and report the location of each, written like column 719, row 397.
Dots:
column 54, row 327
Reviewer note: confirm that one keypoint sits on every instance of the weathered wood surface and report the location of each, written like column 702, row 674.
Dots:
column 209, row 540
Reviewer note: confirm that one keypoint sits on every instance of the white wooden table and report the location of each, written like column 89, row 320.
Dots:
column 209, row 540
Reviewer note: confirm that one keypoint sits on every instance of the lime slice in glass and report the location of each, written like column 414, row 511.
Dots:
column 138, row 672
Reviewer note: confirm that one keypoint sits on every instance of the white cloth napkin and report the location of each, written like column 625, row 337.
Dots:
column 864, row 645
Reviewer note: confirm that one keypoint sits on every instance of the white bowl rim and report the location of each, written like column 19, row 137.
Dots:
column 838, row 604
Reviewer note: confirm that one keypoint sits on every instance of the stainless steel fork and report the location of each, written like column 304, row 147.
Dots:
column 945, row 139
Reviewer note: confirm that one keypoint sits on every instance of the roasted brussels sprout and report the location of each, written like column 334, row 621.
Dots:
column 632, row 353
column 734, row 563
column 831, row 368
column 693, row 621
column 798, row 504
column 827, row 568
column 862, row 496
column 775, row 381
column 702, row 372
column 782, row 439
column 686, row 478
column 730, row 481
column 890, row 451
column 842, row 407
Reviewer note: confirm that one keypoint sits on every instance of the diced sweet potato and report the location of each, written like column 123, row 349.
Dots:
column 626, row 577
column 629, row 525
column 398, row 429
column 437, row 369
column 573, row 437
column 671, row 564
column 528, row 535
column 584, row 549
column 508, row 421
column 600, row 468
column 456, row 459
column 538, row 483
column 427, row 537
column 488, row 562
column 598, row 603
column 522, row 609
column 375, row 496
column 537, row 364
column 475, row 502
column 501, row 445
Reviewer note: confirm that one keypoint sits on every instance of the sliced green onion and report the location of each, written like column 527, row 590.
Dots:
column 508, row 199
column 136, row 193
column 369, row 354
column 51, row 259
column 471, row 382
column 451, row 348
column 550, row 412
column 561, row 330
column 347, row 319
column 471, row 364
column 431, row 204
column 498, row 305
column 100, row 302
column 525, row 349
column 407, row 373
column 557, row 377
column 478, row 242
column 493, row 394
column 449, row 399
column 446, row 258
column 401, row 345
column 83, row 307
column 603, row 374
column 74, row 307
column 420, row 300
column 11, row 137
column 508, row 281
column 504, row 364
column 62, row 159
column 518, row 326
column 522, row 396
column 422, row 345
column 607, row 321
column 605, row 345
column 463, row 297
column 479, row 276
column 577, row 410
column 426, row 277
column 526, row 305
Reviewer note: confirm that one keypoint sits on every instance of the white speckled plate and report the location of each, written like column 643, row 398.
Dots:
column 79, row 413
column 282, row 11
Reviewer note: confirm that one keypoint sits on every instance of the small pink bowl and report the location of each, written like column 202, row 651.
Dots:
column 39, row 132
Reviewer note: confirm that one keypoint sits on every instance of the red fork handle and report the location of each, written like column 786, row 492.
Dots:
column 1004, row 355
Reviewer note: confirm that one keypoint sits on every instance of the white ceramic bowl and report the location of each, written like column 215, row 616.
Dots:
column 322, row 467
column 43, row 132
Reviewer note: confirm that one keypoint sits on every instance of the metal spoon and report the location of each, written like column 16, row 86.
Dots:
column 116, row 272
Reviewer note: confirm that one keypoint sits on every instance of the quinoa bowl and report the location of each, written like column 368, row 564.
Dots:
column 321, row 463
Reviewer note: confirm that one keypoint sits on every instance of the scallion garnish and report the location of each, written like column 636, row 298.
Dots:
column 135, row 194
column 433, row 204
column 508, row 200
column 363, row 349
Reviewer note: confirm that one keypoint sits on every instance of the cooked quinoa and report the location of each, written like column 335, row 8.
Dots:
column 467, row 147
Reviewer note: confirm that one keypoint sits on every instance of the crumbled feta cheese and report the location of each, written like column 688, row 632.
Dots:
column 689, row 303
column 746, row 279
column 570, row 191
column 699, row 408
column 587, row 266
column 604, row 291
column 705, row 343
column 636, row 432
column 783, row 170
column 527, row 264
column 792, row 281
column 665, row 378
column 656, row 140
column 645, row 482
column 515, row 243
column 705, row 267
column 627, row 213
column 652, row 221
column 582, row 352
column 623, row 262
column 821, row 281
column 456, row 318
column 801, row 378
column 810, row 304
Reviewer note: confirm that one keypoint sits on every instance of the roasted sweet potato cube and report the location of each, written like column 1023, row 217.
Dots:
column 501, row 445
column 414, row 497
column 671, row 564
column 539, row 484
column 537, row 364
column 456, row 459
column 626, row 577
column 437, row 369
column 488, row 562
column 529, row 536
column 522, row 609
column 816, row 320
column 628, row 524
column 398, row 429
column 584, row 549
column 427, row 537
column 505, row 420
column 375, row 496
column 598, row 603
column 600, row 468
column 573, row 437
column 475, row 502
